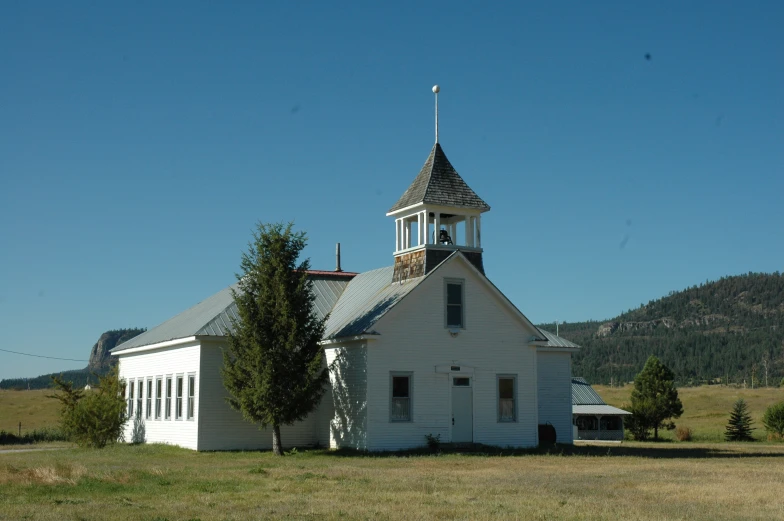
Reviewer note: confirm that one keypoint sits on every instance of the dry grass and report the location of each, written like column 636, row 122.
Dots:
column 706, row 409
column 633, row 482
column 32, row 408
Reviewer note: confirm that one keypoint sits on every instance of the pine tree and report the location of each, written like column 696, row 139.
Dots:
column 654, row 399
column 273, row 368
column 739, row 427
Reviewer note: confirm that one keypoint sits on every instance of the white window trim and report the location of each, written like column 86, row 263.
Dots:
column 140, row 398
column 461, row 283
column 131, row 397
column 410, row 376
column 167, row 410
column 179, row 399
column 148, row 412
column 191, row 400
column 498, row 379
column 159, row 389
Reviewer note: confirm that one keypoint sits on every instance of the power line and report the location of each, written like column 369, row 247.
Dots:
column 42, row 356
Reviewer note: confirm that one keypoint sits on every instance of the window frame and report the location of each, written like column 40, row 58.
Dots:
column 158, row 397
column 498, row 379
column 447, row 283
column 179, row 388
column 139, row 397
column 169, row 389
column 410, row 376
column 131, row 396
column 148, row 400
column 190, row 406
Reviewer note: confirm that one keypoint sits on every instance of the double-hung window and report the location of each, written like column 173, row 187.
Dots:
column 158, row 397
column 148, row 411
column 191, row 395
column 453, row 289
column 400, row 400
column 507, row 405
column 139, row 397
column 179, row 397
column 168, row 397
column 130, row 398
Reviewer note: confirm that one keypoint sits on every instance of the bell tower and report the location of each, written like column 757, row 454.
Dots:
column 438, row 214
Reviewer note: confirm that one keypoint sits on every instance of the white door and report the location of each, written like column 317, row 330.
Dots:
column 462, row 410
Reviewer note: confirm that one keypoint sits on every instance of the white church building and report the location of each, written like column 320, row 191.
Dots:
column 426, row 346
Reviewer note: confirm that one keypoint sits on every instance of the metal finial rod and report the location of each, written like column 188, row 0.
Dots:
column 436, row 89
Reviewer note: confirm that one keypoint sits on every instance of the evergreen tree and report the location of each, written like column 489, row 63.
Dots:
column 273, row 368
column 92, row 418
column 654, row 399
column 739, row 427
column 773, row 420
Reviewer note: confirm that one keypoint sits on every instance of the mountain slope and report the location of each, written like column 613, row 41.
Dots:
column 730, row 329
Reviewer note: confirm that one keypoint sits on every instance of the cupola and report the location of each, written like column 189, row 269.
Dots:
column 438, row 214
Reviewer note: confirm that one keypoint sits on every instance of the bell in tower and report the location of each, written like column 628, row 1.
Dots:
column 438, row 214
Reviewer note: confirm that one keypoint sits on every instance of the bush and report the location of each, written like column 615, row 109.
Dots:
column 433, row 442
column 773, row 420
column 95, row 418
column 34, row 436
column 683, row 433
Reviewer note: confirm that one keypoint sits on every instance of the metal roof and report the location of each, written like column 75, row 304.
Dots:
column 601, row 410
column 439, row 183
column 583, row 393
column 213, row 315
column 366, row 299
column 556, row 341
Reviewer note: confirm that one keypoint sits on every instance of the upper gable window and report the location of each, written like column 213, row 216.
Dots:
column 454, row 303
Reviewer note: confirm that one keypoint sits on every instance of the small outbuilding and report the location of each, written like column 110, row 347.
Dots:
column 592, row 418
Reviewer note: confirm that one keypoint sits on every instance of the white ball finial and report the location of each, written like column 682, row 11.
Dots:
column 436, row 88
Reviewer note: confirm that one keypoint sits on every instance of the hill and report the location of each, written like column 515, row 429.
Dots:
column 729, row 330
column 100, row 362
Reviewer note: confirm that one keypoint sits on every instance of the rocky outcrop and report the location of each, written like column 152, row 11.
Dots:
column 609, row 328
column 100, row 359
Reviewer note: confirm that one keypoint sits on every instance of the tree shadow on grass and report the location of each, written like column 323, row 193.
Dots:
column 658, row 452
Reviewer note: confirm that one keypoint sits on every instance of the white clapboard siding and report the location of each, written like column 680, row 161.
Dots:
column 348, row 388
column 555, row 393
column 171, row 361
column 223, row 428
column 413, row 338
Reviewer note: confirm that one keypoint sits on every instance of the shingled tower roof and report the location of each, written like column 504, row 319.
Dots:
column 439, row 183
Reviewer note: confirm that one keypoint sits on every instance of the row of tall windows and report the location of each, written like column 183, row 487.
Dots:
column 162, row 391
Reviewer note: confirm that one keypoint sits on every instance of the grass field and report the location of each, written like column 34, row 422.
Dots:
column 631, row 482
column 32, row 408
column 706, row 409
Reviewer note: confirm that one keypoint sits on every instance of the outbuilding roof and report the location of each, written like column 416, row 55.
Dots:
column 439, row 183
column 587, row 401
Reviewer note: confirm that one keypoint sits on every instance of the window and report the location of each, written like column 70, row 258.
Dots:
column 507, row 412
column 158, row 390
column 461, row 381
column 191, row 395
column 130, row 398
column 454, row 303
column 400, row 406
column 148, row 411
column 139, row 397
column 179, row 397
column 168, row 397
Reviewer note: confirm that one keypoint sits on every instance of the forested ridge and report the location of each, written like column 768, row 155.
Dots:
column 729, row 330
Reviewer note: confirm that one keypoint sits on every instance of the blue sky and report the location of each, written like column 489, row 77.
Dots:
column 140, row 143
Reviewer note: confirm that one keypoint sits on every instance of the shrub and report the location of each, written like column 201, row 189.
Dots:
column 683, row 433
column 34, row 436
column 96, row 418
column 433, row 442
column 773, row 420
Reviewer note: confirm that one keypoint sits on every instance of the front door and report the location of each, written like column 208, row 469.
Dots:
column 462, row 410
